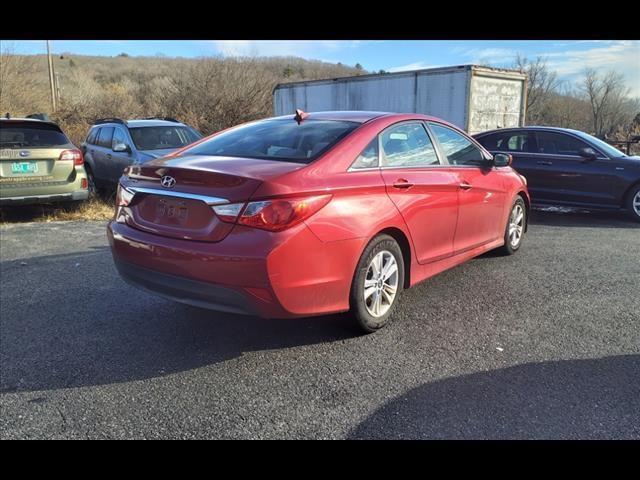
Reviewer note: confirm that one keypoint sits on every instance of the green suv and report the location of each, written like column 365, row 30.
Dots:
column 38, row 163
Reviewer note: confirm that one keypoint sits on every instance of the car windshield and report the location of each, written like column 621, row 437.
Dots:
column 160, row 138
column 602, row 145
column 19, row 135
column 277, row 139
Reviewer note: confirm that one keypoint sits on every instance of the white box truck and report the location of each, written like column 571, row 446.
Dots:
column 471, row 97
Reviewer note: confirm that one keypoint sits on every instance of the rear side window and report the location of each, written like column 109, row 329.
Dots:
column 105, row 136
column 91, row 138
column 277, row 139
column 407, row 145
column 458, row 149
column 553, row 143
column 506, row 142
column 369, row 156
column 31, row 135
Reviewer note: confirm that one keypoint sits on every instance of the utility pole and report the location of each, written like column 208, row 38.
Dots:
column 51, row 79
column 57, row 88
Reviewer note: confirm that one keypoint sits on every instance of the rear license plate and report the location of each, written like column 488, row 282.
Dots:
column 24, row 167
column 172, row 209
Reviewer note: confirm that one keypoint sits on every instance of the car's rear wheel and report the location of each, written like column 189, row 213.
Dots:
column 516, row 224
column 633, row 203
column 377, row 282
column 91, row 184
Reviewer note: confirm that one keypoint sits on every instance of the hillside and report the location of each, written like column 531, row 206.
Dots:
column 209, row 93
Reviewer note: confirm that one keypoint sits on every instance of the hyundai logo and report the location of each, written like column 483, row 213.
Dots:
column 168, row 181
column 25, row 153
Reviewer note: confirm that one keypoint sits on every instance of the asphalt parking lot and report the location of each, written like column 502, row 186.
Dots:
column 543, row 344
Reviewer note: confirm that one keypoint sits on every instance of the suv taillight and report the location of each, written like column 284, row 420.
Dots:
column 75, row 155
column 273, row 215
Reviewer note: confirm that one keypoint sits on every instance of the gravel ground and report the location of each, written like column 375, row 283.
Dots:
column 542, row 344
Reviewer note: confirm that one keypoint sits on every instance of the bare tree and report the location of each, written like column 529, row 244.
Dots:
column 608, row 97
column 541, row 84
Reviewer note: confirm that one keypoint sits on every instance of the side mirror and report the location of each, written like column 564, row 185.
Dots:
column 588, row 153
column 121, row 147
column 502, row 160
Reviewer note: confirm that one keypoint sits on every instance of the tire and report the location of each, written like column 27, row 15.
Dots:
column 91, row 185
column 385, row 249
column 513, row 238
column 633, row 203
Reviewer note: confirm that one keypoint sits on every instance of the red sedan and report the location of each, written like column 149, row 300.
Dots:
column 315, row 214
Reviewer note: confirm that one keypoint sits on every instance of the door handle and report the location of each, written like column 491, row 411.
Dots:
column 402, row 183
column 545, row 162
column 465, row 186
column 108, row 155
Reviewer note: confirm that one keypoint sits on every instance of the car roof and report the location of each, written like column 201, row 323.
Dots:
column 359, row 116
column 33, row 120
column 152, row 123
column 530, row 128
column 142, row 123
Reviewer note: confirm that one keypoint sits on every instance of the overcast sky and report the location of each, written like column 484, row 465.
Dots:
column 568, row 58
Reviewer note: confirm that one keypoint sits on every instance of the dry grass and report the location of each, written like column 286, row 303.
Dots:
column 93, row 210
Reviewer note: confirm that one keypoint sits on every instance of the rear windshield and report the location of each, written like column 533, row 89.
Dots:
column 160, row 138
column 19, row 135
column 281, row 139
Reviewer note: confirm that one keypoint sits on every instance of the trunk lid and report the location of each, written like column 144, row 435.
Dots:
column 182, row 208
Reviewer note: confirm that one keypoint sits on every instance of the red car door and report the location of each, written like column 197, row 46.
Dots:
column 481, row 191
column 425, row 192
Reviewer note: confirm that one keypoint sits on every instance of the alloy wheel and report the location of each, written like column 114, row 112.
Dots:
column 381, row 283
column 516, row 225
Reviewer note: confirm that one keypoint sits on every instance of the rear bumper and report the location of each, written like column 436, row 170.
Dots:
column 56, row 197
column 68, row 190
column 271, row 275
column 186, row 290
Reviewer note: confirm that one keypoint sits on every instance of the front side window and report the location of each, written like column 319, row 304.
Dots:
column 277, row 139
column 408, row 145
column 458, row 149
column 160, row 138
column 552, row 143
column 369, row 156
column 118, row 137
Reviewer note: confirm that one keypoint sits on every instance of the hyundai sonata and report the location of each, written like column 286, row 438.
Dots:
column 315, row 214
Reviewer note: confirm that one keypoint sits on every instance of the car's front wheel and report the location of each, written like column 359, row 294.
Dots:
column 516, row 225
column 633, row 203
column 377, row 282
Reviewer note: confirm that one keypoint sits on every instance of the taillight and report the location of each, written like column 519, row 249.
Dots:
column 123, row 196
column 229, row 212
column 75, row 155
column 273, row 215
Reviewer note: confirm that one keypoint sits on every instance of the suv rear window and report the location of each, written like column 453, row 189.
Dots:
column 159, row 138
column 31, row 135
column 279, row 139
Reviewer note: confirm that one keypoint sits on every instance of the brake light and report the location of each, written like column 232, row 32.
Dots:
column 75, row 155
column 273, row 215
column 123, row 196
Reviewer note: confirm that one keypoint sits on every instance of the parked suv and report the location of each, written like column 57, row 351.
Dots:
column 569, row 167
column 38, row 163
column 114, row 144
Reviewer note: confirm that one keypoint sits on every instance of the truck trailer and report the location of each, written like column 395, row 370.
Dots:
column 472, row 97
